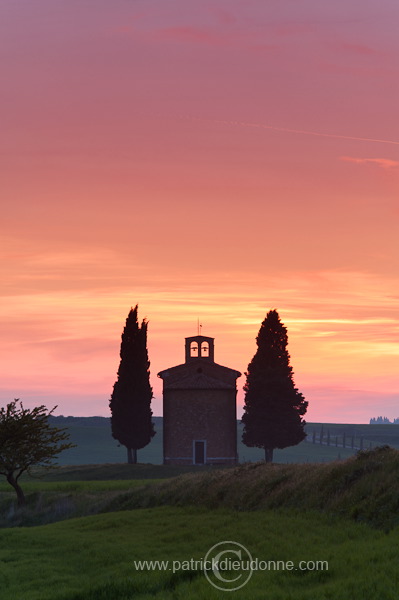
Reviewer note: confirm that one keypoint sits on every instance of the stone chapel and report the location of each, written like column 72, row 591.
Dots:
column 199, row 408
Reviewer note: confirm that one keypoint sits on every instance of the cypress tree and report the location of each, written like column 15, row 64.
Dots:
column 273, row 407
column 130, row 402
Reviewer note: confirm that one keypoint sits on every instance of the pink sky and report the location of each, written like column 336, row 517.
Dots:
column 208, row 160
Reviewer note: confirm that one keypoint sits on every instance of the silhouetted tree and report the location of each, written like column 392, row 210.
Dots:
column 273, row 406
column 27, row 440
column 381, row 420
column 130, row 402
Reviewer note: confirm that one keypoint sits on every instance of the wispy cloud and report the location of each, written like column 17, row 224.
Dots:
column 209, row 36
column 189, row 33
column 384, row 163
column 322, row 134
column 341, row 325
column 224, row 17
column 358, row 49
column 288, row 29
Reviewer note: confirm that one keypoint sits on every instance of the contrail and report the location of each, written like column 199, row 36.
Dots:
column 305, row 132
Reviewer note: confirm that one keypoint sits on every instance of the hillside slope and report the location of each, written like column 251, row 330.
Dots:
column 364, row 488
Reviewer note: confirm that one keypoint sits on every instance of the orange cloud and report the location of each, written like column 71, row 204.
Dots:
column 113, row 197
column 385, row 163
column 341, row 325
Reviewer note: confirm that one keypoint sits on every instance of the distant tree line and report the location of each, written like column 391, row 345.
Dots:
column 384, row 421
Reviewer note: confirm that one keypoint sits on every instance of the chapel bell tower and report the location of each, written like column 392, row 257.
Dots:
column 200, row 346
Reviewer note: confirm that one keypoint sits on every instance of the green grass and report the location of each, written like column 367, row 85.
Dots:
column 114, row 471
column 278, row 512
column 92, row 558
column 364, row 488
column 32, row 487
column 79, row 490
column 49, row 501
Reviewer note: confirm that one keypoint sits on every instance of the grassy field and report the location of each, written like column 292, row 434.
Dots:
column 94, row 444
column 363, row 488
column 93, row 558
column 343, row 513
